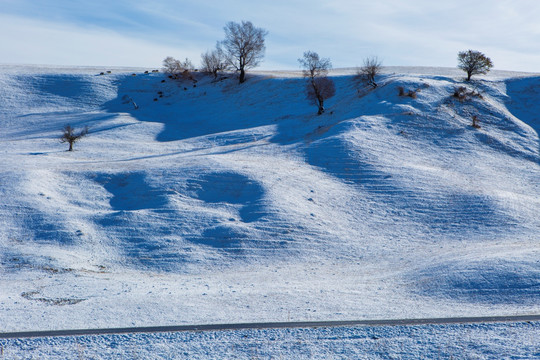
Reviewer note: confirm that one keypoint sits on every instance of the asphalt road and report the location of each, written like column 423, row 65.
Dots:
column 269, row 325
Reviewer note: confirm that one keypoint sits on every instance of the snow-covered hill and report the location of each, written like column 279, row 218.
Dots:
column 219, row 202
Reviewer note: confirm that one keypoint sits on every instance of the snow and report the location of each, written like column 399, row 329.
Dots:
column 478, row 341
column 220, row 203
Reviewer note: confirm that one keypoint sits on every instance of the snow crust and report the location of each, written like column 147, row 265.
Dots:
column 220, row 203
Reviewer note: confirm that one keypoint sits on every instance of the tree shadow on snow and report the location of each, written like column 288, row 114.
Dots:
column 229, row 190
column 209, row 108
column 442, row 211
column 139, row 222
column 522, row 101
column 46, row 229
column 153, row 234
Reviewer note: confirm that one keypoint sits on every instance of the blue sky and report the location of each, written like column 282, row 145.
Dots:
column 143, row 33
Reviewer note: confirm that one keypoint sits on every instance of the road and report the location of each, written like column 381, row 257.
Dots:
column 269, row 325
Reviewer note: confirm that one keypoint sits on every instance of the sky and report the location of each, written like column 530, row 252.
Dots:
column 142, row 33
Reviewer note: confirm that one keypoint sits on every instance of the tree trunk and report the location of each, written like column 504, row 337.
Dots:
column 70, row 146
column 242, row 75
column 321, row 106
column 469, row 74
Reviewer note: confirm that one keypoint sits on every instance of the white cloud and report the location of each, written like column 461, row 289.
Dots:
column 136, row 32
column 39, row 42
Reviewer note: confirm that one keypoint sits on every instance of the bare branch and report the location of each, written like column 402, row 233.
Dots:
column 172, row 66
column 213, row 61
column 313, row 65
column 176, row 67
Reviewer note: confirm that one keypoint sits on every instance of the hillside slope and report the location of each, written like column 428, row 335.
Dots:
column 214, row 202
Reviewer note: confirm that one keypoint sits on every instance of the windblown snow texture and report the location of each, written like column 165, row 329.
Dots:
column 218, row 202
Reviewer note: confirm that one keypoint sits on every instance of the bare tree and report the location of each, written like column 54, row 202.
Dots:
column 176, row 67
column 187, row 65
column 319, row 87
column 473, row 63
column 172, row 66
column 313, row 65
column 69, row 135
column 213, row 61
column 371, row 68
column 243, row 47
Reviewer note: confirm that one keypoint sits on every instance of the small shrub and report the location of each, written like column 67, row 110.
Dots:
column 462, row 94
column 186, row 75
column 475, row 122
column 409, row 93
column 369, row 71
column 69, row 136
column 477, row 94
column 214, row 62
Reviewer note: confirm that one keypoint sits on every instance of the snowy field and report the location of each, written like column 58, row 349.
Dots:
column 493, row 341
column 218, row 203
